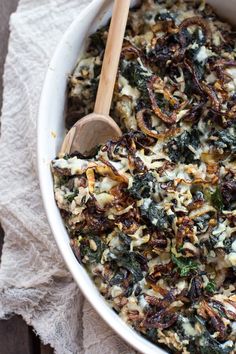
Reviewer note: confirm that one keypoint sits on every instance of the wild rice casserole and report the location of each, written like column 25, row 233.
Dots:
column 152, row 216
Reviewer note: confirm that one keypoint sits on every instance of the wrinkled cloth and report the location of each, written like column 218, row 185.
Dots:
column 34, row 281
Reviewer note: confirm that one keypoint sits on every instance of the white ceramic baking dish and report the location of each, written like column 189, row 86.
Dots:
column 51, row 131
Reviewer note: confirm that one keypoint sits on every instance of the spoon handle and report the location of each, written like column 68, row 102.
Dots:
column 112, row 57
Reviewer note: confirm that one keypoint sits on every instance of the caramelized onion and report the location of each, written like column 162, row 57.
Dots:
column 164, row 117
column 231, row 314
column 212, row 96
column 131, row 51
column 167, row 26
column 195, row 290
column 91, row 179
column 203, row 88
column 142, row 125
column 207, row 312
column 161, row 320
column 109, row 170
column 194, row 21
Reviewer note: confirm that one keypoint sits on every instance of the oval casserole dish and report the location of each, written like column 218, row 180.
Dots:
column 51, row 130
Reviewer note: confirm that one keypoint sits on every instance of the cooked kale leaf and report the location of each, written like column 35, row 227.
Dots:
column 165, row 16
column 225, row 139
column 209, row 345
column 125, row 240
column 119, row 277
column 142, row 186
column 70, row 197
column 211, row 287
column 151, row 334
column 184, row 266
column 156, row 215
column 137, row 77
column 130, row 261
column 217, row 200
column 87, row 251
column 205, row 343
column 228, row 244
column 97, row 41
column 178, row 148
column 63, row 180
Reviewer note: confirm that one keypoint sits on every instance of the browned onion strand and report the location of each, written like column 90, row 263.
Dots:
column 195, row 21
column 164, row 117
column 142, row 125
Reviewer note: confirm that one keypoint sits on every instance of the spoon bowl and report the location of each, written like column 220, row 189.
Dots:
column 91, row 131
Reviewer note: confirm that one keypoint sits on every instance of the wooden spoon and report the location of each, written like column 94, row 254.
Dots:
column 98, row 127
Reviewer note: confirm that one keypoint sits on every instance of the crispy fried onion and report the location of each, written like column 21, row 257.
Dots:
column 128, row 143
column 140, row 116
column 91, row 179
column 159, row 240
column 129, row 51
column 160, row 271
column 231, row 308
column 195, row 290
column 204, row 88
column 135, row 163
column 207, row 89
column 165, row 315
column 219, row 67
column 167, row 26
column 143, row 126
column 194, row 21
column 164, row 303
column 226, row 306
column 107, row 169
column 217, row 323
column 220, row 277
column 121, row 198
column 185, row 230
column 157, row 85
column 161, row 319
column 95, row 221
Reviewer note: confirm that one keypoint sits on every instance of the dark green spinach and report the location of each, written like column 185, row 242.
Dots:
column 209, row 345
column 125, row 240
column 138, row 77
column 205, row 343
column 211, row 287
column 225, row 139
column 142, row 186
column 178, row 148
column 70, row 197
column 156, row 215
column 185, row 266
column 119, row 277
column 130, row 261
column 217, row 200
column 86, row 251
column 97, row 41
column 228, row 192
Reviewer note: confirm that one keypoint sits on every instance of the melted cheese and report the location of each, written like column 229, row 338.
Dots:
column 203, row 54
column 74, row 164
column 231, row 86
column 127, row 89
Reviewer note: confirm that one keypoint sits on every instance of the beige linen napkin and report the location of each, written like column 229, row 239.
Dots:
column 34, row 281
